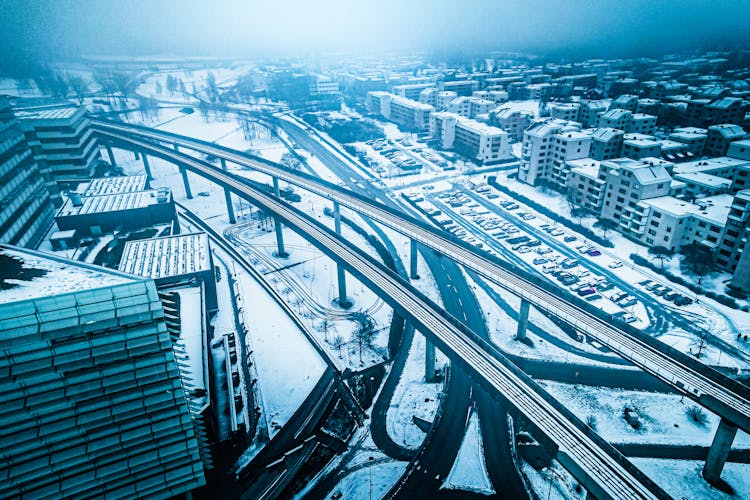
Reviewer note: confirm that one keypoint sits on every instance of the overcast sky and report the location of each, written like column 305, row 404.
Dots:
column 235, row 27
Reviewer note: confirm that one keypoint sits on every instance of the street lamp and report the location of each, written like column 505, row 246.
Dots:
column 369, row 468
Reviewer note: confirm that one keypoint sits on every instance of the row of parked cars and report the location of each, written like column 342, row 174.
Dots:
column 666, row 293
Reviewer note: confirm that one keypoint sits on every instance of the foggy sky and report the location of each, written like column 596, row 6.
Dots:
column 598, row 28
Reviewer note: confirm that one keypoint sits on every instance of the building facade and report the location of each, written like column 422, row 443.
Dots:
column 26, row 211
column 93, row 405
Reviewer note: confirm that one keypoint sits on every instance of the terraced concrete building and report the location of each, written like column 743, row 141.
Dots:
column 26, row 211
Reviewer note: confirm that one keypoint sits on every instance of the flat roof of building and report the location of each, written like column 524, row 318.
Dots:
column 114, row 185
column 27, row 275
column 479, row 127
column 642, row 143
column 115, row 202
column 704, row 179
column 714, row 209
column 689, row 133
column 709, row 164
column 47, row 113
column 409, row 103
column 607, row 133
column 167, row 256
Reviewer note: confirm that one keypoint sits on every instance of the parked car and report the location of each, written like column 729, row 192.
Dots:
column 662, row 291
column 683, row 301
column 543, row 250
column 627, row 301
column 618, row 295
column 603, row 287
column 594, row 252
column 539, row 261
column 586, row 291
column 644, row 282
column 569, row 263
column 568, row 239
column 671, row 295
column 615, row 264
column 556, row 232
column 629, row 318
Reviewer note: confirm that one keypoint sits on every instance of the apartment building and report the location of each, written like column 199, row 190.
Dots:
column 731, row 253
column 640, row 146
column 628, row 102
column 623, row 119
column 95, row 406
column 480, row 142
column 378, row 102
column 648, row 106
column 411, row 91
column 703, row 113
column 470, row 107
column 564, row 110
column 26, row 211
column 584, row 186
column 719, row 137
column 496, row 96
column 410, row 115
column 513, row 122
column 544, row 148
column 62, row 143
column 606, row 144
column 695, row 138
column 628, row 182
column 460, row 87
column 590, row 111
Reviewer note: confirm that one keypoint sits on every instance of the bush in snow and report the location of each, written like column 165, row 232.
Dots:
column 696, row 414
column 591, row 421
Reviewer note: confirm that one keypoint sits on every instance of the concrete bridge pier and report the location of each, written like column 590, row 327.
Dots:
column 343, row 301
column 523, row 320
column 719, row 451
column 146, row 166
column 429, row 361
column 185, row 181
column 413, row 260
column 280, row 251
column 111, row 156
column 227, row 196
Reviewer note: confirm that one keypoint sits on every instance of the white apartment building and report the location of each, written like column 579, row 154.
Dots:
column 628, row 182
column 410, row 115
column 496, row 96
column 470, row 107
column 543, row 148
column 475, row 140
column 481, row 142
column 513, row 122
column 564, row 110
column 379, row 102
column 694, row 137
column 583, row 184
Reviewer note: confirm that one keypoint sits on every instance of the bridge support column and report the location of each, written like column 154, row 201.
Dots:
column 523, row 319
column 111, row 156
column 719, row 451
column 413, row 260
column 429, row 361
column 146, row 166
column 280, row 252
column 342, row 300
column 228, row 196
column 186, row 182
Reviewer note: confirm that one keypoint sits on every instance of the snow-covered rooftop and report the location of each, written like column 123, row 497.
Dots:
column 704, row 179
column 711, row 208
column 47, row 113
column 114, row 185
column 26, row 275
column 114, row 202
column 168, row 256
column 709, row 164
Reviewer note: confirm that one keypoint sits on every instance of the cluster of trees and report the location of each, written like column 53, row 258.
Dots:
column 345, row 131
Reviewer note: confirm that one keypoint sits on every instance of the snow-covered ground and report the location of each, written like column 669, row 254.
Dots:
column 663, row 416
column 469, row 471
column 413, row 397
column 683, row 479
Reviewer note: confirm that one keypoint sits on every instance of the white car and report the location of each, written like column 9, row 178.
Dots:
column 615, row 264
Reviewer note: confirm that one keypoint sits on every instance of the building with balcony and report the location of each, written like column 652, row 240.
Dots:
column 584, row 187
column 564, row 110
column 719, row 137
column 480, row 142
column 590, row 111
column 640, row 146
column 606, row 144
column 93, row 404
column 695, row 138
column 514, row 122
column 628, row 182
column 547, row 145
